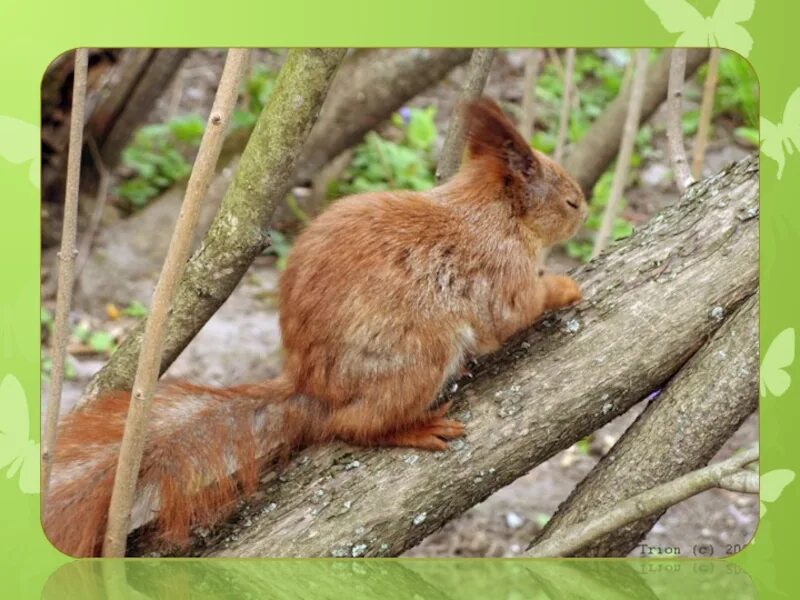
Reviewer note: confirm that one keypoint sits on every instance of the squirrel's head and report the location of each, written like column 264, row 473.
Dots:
column 541, row 194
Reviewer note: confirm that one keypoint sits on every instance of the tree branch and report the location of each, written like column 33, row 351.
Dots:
column 590, row 157
column 625, row 150
column 655, row 500
column 743, row 481
column 677, row 152
column 555, row 384
column 681, row 430
column 477, row 73
column 706, row 112
column 147, row 370
column 533, row 63
column 238, row 233
column 566, row 101
column 66, row 265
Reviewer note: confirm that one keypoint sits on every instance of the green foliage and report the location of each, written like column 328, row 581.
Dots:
column 581, row 249
column 135, row 309
column 381, row 164
column 157, row 158
column 597, row 80
column 737, row 89
column 99, row 341
column 257, row 90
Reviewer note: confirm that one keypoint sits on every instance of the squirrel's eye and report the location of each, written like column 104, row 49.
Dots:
column 574, row 204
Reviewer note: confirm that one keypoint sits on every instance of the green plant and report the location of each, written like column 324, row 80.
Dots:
column 157, row 158
column 597, row 79
column 581, row 248
column 737, row 90
column 256, row 92
column 135, row 309
column 100, row 341
column 380, row 164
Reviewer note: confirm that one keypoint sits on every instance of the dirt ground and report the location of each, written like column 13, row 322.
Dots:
column 241, row 342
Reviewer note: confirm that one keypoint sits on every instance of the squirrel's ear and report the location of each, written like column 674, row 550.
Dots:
column 490, row 134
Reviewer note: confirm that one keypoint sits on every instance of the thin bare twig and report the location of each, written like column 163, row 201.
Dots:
column 706, row 110
column 132, row 446
column 677, row 152
column 646, row 503
column 566, row 103
column 533, row 62
column 477, row 74
column 66, row 256
column 552, row 55
column 638, row 78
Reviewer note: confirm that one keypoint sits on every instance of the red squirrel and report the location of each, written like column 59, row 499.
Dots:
column 384, row 297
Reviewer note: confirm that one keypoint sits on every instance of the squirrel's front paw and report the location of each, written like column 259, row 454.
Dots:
column 562, row 291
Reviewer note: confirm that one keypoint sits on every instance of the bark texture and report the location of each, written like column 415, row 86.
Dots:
column 239, row 231
column 679, row 432
column 589, row 159
column 650, row 303
column 475, row 80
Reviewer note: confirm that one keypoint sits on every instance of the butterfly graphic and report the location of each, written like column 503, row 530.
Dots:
column 780, row 355
column 779, row 140
column 17, row 452
column 720, row 29
column 771, row 485
column 19, row 143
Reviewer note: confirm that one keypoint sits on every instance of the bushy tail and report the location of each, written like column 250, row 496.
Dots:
column 205, row 448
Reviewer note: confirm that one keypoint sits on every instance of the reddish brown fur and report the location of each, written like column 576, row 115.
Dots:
column 383, row 298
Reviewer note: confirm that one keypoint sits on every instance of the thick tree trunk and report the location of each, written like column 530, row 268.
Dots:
column 649, row 304
column 679, row 432
column 238, row 233
column 589, row 159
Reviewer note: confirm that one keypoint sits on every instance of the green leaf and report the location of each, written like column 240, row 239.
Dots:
column 81, row 332
column 101, row 341
column 188, row 128
column 748, row 135
column 243, row 119
column 690, row 121
column 421, row 131
column 135, row 309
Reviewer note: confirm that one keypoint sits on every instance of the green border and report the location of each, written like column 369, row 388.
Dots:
column 34, row 33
